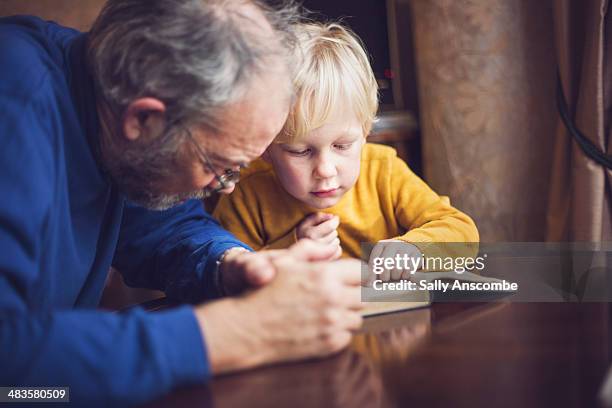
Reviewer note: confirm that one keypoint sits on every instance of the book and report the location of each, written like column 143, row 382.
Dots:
column 377, row 302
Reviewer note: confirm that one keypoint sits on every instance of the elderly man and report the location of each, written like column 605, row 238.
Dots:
column 106, row 139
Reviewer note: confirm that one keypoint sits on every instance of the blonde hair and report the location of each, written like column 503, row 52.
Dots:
column 334, row 71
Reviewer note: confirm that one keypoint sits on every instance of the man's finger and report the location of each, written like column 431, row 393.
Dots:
column 350, row 297
column 259, row 271
column 347, row 270
column 309, row 250
column 272, row 253
column 352, row 320
column 355, row 320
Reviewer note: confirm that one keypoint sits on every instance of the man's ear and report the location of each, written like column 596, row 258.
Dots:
column 144, row 117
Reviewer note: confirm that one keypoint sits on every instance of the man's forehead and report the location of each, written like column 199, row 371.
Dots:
column 256, row 118
column 249, row 124
column 231, row 147
column 238, row 148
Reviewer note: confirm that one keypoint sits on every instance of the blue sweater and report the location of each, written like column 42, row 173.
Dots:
column 63, row 223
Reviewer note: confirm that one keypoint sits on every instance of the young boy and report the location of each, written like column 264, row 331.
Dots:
column 320, row 180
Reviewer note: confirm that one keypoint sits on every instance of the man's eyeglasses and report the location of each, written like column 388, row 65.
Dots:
column 228, row 179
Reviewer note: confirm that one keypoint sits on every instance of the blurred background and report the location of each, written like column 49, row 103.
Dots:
column 469, row 99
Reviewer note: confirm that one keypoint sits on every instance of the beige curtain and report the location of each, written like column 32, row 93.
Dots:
column 492, row 138
column 486, row 91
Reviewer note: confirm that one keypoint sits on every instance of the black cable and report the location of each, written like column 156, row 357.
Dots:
column 585, row 144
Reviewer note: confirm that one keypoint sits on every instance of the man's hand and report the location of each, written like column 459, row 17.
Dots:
column 241, row 270
column 391, row 248
column 309, row 309
column 323, row 228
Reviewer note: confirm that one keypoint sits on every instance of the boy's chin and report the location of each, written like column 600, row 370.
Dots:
column 322, row 203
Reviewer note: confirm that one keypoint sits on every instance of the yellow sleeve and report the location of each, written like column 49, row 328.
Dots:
column 240, row 213
column 283, row 242
column 428, row 217
column 237, row 212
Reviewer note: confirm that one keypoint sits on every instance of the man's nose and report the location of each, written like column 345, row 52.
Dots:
column 211, row 183
column 229, row 189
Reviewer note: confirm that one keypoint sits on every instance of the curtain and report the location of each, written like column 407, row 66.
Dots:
column 580, row 201
column 486, row 77
column 492, row 137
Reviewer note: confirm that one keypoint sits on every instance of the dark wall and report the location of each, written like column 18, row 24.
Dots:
column 79, row 14
column 368, row 19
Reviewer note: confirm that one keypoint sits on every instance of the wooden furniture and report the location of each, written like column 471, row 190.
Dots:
column 460, row 354
column 399, row 130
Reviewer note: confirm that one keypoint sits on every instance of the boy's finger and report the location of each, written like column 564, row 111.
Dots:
column 320, row 217
column 325, row 228
column 387, row 253
column 314, row 219
column 396, row 273
column 329, row 238
column 338, row 253
column 309, row 220
column 376, row 253
column 334, row 221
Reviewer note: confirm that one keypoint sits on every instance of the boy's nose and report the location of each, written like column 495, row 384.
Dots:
column 325, row 169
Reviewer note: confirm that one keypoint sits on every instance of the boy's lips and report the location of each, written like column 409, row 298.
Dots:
column 325, row 193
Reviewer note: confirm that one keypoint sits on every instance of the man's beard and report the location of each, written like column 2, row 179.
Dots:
column 159, row 202
column 137, row 172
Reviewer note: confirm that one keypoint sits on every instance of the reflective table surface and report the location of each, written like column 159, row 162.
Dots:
column 450, row 354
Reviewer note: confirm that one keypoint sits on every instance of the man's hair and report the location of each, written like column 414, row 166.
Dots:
column 334, row 71
column 196, row 56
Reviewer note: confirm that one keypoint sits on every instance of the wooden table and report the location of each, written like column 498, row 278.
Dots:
column 460, row 354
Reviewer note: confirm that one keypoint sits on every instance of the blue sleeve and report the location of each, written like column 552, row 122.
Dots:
column 174, row 250
column 105, row 358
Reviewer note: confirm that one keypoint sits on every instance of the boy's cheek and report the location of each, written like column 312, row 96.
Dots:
column 296, row 183
column 297, row 175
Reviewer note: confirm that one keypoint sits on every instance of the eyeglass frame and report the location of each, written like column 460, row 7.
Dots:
column 228, row 179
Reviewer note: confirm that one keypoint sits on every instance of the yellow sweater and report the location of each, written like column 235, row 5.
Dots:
column 388, row 201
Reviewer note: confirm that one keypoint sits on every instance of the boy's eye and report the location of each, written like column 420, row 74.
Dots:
column 303, row 152
column 343, row 146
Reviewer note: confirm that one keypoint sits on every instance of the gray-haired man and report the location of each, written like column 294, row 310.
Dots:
column 163, row 101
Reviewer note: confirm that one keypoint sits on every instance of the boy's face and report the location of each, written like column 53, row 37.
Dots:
column 324, row 165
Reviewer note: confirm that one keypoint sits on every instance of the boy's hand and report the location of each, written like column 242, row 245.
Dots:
column 408, row 255
column 323, row 228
